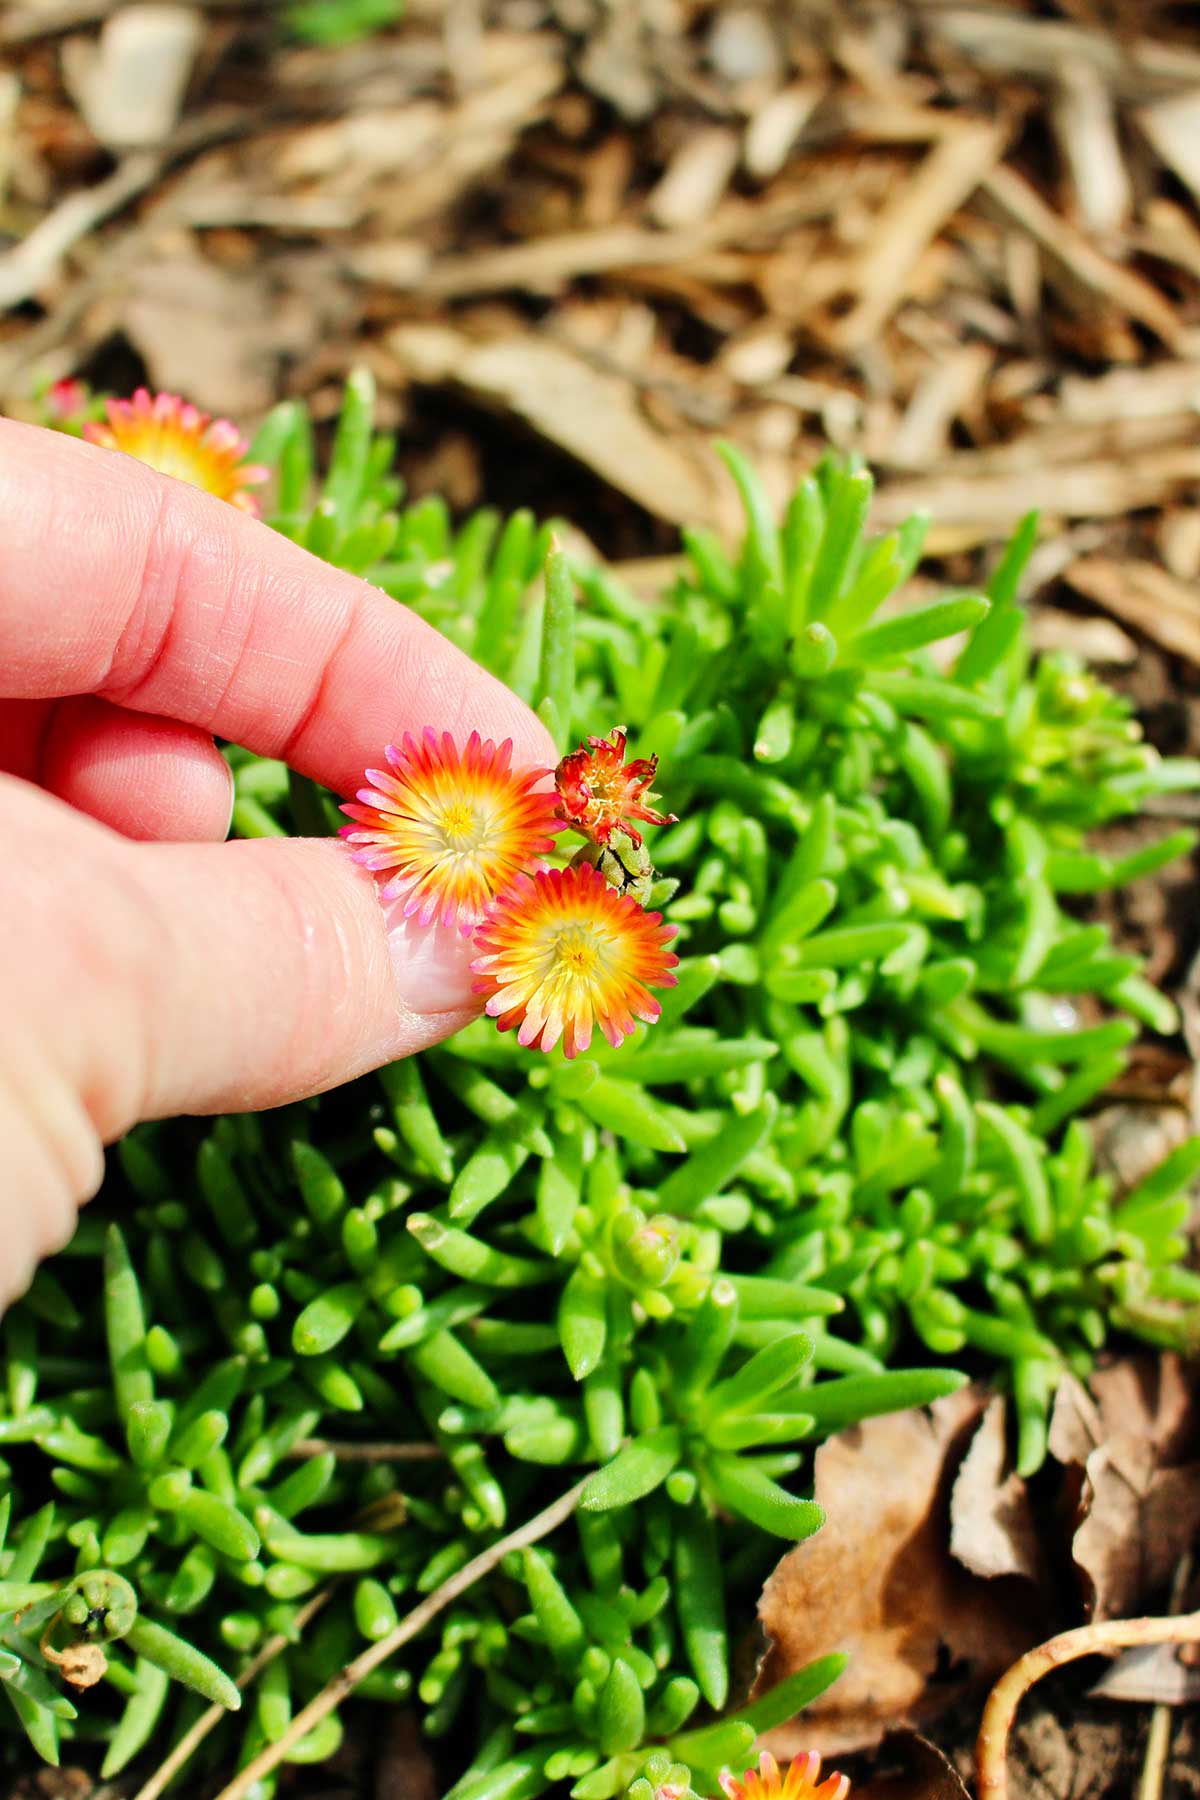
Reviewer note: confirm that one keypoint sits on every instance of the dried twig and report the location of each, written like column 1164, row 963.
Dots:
column 191, row 1740
column 34, row 261
column 347, row 1679
column 364, row 1453
column 991, row 1748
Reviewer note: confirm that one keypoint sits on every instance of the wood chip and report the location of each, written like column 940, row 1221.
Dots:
column 546, row 264
column 696, row 178
column 1071, row 251
column 130, row 84
column 936, row 401
column 25, row 270
column 595, row 417
column 1143, row 595
column 1097, row 641
column 1173, row 129
column 991, row 505
column 742, row 45
column 1135, row 68
column 948, row 176
column 10, row 98
column 775, row 127
column 1085, row 125
column 1179, row 541
column 1171, row 389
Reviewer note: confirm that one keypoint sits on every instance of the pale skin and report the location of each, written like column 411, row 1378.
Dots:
column 147, row 967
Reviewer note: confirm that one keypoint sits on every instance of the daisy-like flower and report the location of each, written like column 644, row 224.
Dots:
column 455, row 828
column 798, row 1783
column 562, row 951
column 177, row 439
column 599, row 792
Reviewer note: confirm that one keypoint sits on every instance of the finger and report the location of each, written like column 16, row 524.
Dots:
column 146, row 777
column 23, row 725
column 125, row 583
column 205, row 977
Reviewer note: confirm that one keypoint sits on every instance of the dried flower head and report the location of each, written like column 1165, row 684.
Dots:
column 798, row 1783
column 177, row 439
column 455, row 827
column 562, row 951
column 599, row 792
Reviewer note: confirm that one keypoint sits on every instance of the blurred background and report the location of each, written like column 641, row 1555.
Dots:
column 577, row 240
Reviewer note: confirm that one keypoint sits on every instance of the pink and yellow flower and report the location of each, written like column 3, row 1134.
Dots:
column 177, row 439
column 798, row 1783
column 455, row 828
column 562, row 951
column 599, row 792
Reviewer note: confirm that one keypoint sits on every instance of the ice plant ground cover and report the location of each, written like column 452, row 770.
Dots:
column 848, row 1163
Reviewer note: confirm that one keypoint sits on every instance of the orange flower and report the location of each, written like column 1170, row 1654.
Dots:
column 799, row 1783
column 177, row 439
column 562, row 951
column 599, row 792
column 455, row 828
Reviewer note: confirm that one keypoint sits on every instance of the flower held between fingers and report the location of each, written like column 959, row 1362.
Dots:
column 562, row 952
column 455, row 827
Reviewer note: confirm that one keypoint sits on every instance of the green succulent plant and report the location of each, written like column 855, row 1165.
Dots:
column 849, row 1165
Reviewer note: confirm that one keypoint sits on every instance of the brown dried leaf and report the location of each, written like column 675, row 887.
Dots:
column 1138, row 1505
column 1150, row 1674
column 879, row 1582
column 991, row 1525
column 911, row 1768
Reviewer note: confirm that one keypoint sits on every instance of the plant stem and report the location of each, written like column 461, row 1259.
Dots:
column 191, row 1740
column 991, row 1747
column 348, row 1678
column 365, row 1453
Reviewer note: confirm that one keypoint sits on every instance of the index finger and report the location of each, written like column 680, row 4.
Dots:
column 118, row 581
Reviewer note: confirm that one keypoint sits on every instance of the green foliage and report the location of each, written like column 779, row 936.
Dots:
column 851, row 1150
column 334, row 22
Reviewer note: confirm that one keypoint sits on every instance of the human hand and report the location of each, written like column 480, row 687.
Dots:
column 147, row 968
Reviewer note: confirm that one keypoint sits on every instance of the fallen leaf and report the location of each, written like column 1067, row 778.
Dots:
column 1137, row 1505
column 879, row 1581
column 992, row 1530
column 1151, row 1675
column 911, row 1768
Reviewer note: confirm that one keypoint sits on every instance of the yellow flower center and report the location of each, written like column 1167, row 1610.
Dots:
column 576, row 950
column 460, row 825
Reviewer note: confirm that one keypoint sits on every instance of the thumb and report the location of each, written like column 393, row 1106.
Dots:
column 278, row 972
column 168, row 978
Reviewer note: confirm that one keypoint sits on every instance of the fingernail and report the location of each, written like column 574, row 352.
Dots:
column 431, row 964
